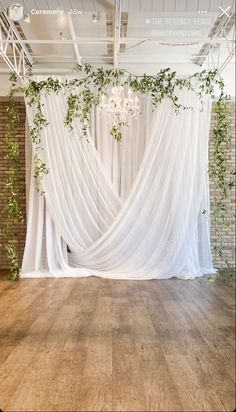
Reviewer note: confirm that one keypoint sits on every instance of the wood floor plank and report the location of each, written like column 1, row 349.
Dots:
column 159, row 387
column 103, row 345
column 29, row 355
column 194, row 394
column 128, row 392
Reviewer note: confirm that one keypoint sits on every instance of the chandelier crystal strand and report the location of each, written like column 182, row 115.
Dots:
column 120, row 105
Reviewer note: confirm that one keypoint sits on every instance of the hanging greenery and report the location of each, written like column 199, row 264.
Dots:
column 12, row 213
column 218, row 169
column 85, row 91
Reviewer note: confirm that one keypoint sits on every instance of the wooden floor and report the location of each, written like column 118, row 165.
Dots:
column 102, row 345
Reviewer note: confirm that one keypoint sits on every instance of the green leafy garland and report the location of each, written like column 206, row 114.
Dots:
column 12, row 213
column 85, row 92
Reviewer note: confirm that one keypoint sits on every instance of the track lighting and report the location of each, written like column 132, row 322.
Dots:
column 27, row 18
column 95, row 17
column 62, row 37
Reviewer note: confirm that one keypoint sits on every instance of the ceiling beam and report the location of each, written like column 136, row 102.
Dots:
column 227, row 60
column 117, row 33
column 13, row 52
column 18, row 37
column 73, row 37
column 67, row 70
column 222, row 25
column 123, row 30
column 123, row 40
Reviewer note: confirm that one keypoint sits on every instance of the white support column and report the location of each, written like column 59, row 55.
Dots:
column 73, row 38
column 117, row 33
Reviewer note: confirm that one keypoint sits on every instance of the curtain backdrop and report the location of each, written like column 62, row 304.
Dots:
column 128, row 210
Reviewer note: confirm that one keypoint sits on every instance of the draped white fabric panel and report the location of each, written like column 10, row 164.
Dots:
column 129, row 210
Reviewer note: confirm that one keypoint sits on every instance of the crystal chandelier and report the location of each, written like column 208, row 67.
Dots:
column 120, row 105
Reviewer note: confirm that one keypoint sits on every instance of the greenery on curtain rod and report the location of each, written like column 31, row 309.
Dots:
column 12, row 213
column 85, row 91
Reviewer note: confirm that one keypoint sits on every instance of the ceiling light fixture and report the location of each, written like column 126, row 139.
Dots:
column 15, row 12
column 27, row 18
column 95, row 17
column 62, row 37
column 120, row 105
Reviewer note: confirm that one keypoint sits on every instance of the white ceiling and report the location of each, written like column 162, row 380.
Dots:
column 127, row 5
column 158, row 33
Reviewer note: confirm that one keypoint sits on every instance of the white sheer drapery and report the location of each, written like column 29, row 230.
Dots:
column 129, row 210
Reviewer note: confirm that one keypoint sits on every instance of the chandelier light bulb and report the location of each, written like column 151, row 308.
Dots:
column 120, row 105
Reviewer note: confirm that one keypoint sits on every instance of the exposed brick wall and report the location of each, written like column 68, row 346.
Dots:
column 228, row 238
column 20, row 229
column 228, row 234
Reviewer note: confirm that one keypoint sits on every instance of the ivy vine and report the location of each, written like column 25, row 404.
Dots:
column 218, row 169
column 12, row 213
